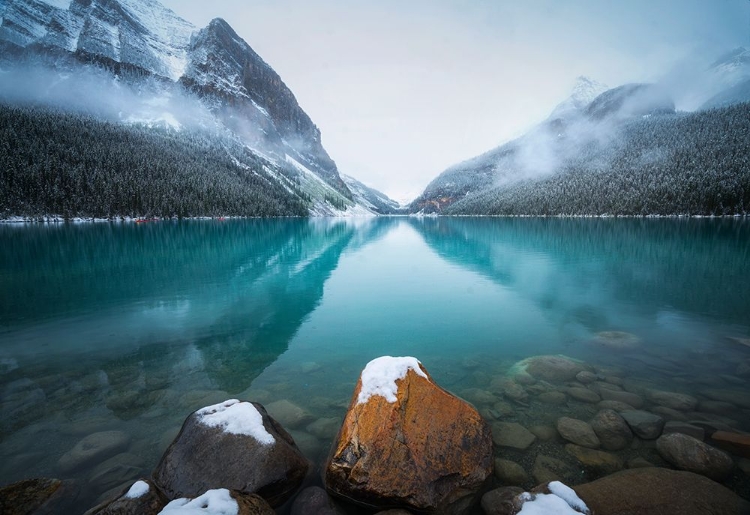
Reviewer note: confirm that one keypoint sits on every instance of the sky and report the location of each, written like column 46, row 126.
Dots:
column 403, row 90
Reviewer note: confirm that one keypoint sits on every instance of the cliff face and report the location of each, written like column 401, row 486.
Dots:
column 137, row 38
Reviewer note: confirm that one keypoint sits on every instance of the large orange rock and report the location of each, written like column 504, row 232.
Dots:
column 407, row 443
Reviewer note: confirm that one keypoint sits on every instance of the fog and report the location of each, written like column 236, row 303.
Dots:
column 548, row 146
column 97, row 93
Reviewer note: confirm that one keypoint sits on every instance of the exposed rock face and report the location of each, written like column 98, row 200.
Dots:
column 644, row 424
column 141, row 498
column 612, row 430
column 578, row 432
column 689, row 454
column 38, row 496
column 137, row 39
column 234, row 445
column 411, row 444
column 651, row 490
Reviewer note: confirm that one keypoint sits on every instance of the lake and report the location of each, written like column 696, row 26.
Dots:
column 132, row 327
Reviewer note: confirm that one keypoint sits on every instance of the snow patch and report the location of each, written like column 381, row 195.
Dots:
column 568, row 495
column 139, row 489
column 562, row 501
column 235, row 417
column 60, row 4
column 380, row 375
column 213, row 502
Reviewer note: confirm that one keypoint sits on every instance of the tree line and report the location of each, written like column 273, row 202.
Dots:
column 71, row 165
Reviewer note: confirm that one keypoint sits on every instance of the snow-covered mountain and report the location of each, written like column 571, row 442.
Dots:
column 148, row 48
column 584, row 118
column 371, row 198
column 729, row 79
column 585, row 90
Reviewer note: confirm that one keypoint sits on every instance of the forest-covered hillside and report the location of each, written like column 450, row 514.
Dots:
column 55, row 163
column 692, row 164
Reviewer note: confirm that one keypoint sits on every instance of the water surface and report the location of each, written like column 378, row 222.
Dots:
column 132, row 327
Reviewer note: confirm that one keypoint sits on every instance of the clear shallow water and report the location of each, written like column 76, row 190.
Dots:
column 132, row 327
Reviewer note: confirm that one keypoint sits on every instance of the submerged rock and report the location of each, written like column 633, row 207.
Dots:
column 234, row 445
column 550, row 368
column 687, row 453
column 616, row 340
column 313, row 500
column 612, row 430
column 644, row 424
column 735, row 443
column 583, row 395
column 632, row 399
column 599, row 462
column 406, row 442
column 510, row 388
column 289, row 414
column 578, row 432
column 677, row 401
column 38, row 496
column 512, row 434
column 683, row 427
column 94, row 448
column 652, row 490
column 510, row 473
column 547, row 468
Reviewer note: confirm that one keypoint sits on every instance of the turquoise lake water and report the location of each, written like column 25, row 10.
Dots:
column 132, row 327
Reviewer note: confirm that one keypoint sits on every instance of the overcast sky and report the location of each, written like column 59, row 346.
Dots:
column 402, row 90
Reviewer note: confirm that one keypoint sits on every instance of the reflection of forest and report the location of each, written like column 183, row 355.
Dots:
column 647, row 263
column 245, row 288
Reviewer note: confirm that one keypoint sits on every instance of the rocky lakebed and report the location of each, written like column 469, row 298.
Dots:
column 550, row 434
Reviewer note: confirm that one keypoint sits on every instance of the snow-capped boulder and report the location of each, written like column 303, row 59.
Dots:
column 219, row 501
column 406, row 442
column 234, row 445
column 548, row 498
column 141, row 498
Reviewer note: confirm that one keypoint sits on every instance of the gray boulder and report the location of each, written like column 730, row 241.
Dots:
column 688, row 453
column 234, row 445
column 612, row 430
column 644, row 424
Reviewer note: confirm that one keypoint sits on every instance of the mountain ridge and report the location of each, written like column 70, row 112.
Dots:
column 141, row 40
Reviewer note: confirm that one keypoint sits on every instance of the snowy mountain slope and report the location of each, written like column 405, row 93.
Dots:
column 729, row 79
column 585, row 90
column 540, row 151
column 576, row 124
column 371, row 198
column 151, row 50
